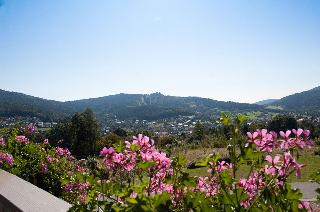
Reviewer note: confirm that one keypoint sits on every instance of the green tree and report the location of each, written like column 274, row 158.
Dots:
column 120, row 132
column 85, row 133
column 60, row 135
column 282, row 123
column 198, row 132
column 108, row 140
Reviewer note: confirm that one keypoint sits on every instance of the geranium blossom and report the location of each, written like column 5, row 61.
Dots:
column 44, row 168
column 267, row 141
column 139, row 159
column 2, row 142
column 51, row 159
column 46, row 141
column 6, row 158
column 22, row 139
column 63, row 151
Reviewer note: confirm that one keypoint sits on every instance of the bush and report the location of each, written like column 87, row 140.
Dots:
column 136, row 176
column 141, row 178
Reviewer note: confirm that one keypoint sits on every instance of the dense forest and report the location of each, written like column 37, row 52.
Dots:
column 124, row 106
column 304, row 101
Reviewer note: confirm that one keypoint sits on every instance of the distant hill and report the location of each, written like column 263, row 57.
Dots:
column 158, row 106
column 266, row 102
column 125, row 106
column 304, row 101
column 14, row 104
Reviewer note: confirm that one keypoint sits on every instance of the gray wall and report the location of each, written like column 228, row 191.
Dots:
column 17, row 194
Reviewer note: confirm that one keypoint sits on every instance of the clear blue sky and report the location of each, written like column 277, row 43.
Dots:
column 241, row 50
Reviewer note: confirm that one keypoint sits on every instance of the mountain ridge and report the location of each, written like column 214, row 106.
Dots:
column 308, row 100
column 152, row 106
column 125, row 106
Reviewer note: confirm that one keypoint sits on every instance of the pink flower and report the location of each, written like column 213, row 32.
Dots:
column 68, row 187
column 273, row 169
column 306, row 133
column 106, row 151
column 222, row 166
column 46, row 141
column 274, row 161
column 252, row 136
column 133, row 195
column 285, row 135
column 22, row 139
column 83, row 199
column 209, row 186
column 44, row 168
column 298, row 132
column 263, row 140
column 83, row 187
column 51, row 159
column 251, row 186
column 63, row 151
column 2, row 142
column 6, row 158
column 305, row 205
column 31, row 128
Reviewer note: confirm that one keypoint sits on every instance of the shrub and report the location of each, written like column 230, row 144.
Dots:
column 138, row 177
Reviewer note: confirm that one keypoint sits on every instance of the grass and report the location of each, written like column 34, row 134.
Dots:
column 272, row 107
column 307, row 157
column 253, row 115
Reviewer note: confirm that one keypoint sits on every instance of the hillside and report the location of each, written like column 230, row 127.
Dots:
column 157, row 106
column 17, row 104
column 124, row 106
column 304, row 101
column 266, row 102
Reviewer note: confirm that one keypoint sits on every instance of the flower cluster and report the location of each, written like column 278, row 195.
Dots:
column 269, row 154
column 141, row 149
column 208, row 185
column 51, row 159
column 6, row 158
column 22, row 139
column 281, row 168
column 79, row 188
column 31, row 128
column 63, row 152
column 267, row 141
column 251, row 186
column 44, row 168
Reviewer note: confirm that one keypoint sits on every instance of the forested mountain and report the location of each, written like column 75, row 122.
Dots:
column 146, row 106
column 157, row 106
column 308, row 101
column 266, row 102
column 124, row 106
column 18, row 104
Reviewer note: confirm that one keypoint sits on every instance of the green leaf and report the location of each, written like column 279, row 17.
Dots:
column 226, row 198
column 146, row 165
column 134, row 147
column 226, row 178
column 132, row 201
column 225, row 119
column 162, row 200
column 293, row 194
column 203, row 162
column 241, row 118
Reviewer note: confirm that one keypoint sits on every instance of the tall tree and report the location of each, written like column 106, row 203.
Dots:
column 198, row 132
column 85, row 133
column 282, row 123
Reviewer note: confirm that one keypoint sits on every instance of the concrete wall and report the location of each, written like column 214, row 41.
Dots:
column 17, row 194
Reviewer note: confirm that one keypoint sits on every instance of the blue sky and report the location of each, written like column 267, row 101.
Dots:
column 241, row 50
